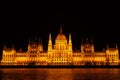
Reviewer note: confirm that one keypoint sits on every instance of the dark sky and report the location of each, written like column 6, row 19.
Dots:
column 102, row 25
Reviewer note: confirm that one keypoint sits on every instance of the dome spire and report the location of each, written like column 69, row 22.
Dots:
column 60, row 28
column 50, row 40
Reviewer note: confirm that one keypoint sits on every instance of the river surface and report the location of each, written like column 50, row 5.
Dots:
column 59, row 73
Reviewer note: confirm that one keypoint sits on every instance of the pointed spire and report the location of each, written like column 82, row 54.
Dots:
column 107, row 46
column 69, row 36
column 50, row 36
column 116, row 46
column 50, row 43
column 4, row 46
column 70, row 39
column 50, row 40
column 13, row 46
column 60, row 28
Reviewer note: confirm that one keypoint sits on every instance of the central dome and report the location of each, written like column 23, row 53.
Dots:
column 61, row 36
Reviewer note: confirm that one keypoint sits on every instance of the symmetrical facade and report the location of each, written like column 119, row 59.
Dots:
column 61, row 53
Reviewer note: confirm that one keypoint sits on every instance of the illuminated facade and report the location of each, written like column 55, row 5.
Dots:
column 61, row 53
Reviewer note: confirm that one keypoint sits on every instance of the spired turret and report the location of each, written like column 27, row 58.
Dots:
column 70, row 43
column 50, row 43
column 87, row 46
column 35, row 46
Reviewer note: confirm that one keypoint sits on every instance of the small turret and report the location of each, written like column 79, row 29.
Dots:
column 87, row 47
column 50, row 43
column 70, row 43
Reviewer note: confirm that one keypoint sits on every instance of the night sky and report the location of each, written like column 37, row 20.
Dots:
column 101, row 25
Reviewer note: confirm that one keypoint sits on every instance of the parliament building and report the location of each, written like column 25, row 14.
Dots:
column 60, row 53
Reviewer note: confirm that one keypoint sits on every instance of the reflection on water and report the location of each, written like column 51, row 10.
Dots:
column 59, row 74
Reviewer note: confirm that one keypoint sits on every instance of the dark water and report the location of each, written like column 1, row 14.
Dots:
column 59, row 74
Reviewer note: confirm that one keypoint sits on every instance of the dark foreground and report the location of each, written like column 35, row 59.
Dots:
column 59, row 66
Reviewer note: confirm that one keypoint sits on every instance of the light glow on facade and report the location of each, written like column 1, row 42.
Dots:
column 61, row 53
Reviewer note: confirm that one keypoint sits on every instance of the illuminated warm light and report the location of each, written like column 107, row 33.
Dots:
column 61, row 53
